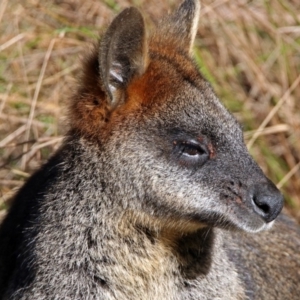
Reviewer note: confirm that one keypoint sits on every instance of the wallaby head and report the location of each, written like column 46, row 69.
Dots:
column 176, row 152
column 126, row 208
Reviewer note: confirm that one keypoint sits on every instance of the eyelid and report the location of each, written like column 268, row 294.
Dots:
column 191, row 151
column 194, row 143
column 191, row 144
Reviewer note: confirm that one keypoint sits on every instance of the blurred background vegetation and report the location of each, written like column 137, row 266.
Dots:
column 248, row 50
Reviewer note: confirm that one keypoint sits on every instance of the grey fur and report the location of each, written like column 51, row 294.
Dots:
column 153, row 194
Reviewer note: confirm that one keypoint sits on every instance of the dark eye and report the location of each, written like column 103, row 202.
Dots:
column 191, row 149
column 190, row 153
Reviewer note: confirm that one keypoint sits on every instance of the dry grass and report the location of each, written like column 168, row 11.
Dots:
column 248, row 50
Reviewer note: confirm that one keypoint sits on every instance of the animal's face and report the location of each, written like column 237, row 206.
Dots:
column 176, row 153
column 186, row 153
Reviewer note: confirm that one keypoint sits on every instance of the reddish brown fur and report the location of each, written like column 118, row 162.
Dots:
column 90, row 113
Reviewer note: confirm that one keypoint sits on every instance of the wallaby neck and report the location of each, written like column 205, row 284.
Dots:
column 191, row 250
column 157, row 257
column 176, row 265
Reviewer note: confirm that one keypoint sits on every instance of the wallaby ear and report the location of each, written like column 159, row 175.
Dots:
column 123, row 53
column 183, row 23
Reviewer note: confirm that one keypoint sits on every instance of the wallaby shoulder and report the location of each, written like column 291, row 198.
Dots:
column 25, row 213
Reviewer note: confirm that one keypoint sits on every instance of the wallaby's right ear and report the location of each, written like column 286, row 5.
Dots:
column 183, row 24
column 123, row 54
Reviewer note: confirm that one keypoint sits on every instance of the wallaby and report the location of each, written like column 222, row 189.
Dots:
column 153, row 194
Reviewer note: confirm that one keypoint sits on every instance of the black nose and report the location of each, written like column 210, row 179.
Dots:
column 266, row 200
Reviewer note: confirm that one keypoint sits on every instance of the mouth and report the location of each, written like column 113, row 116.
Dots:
column 255, row 229
column 234, row 218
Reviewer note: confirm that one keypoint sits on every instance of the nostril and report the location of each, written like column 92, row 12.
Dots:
column 262, row 206
column 266, row 200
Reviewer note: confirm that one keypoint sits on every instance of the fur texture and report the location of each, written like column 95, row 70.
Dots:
column 153, row 194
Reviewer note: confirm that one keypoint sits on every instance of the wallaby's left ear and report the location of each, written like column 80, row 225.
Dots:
column 183, row 24
column 123, row 53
